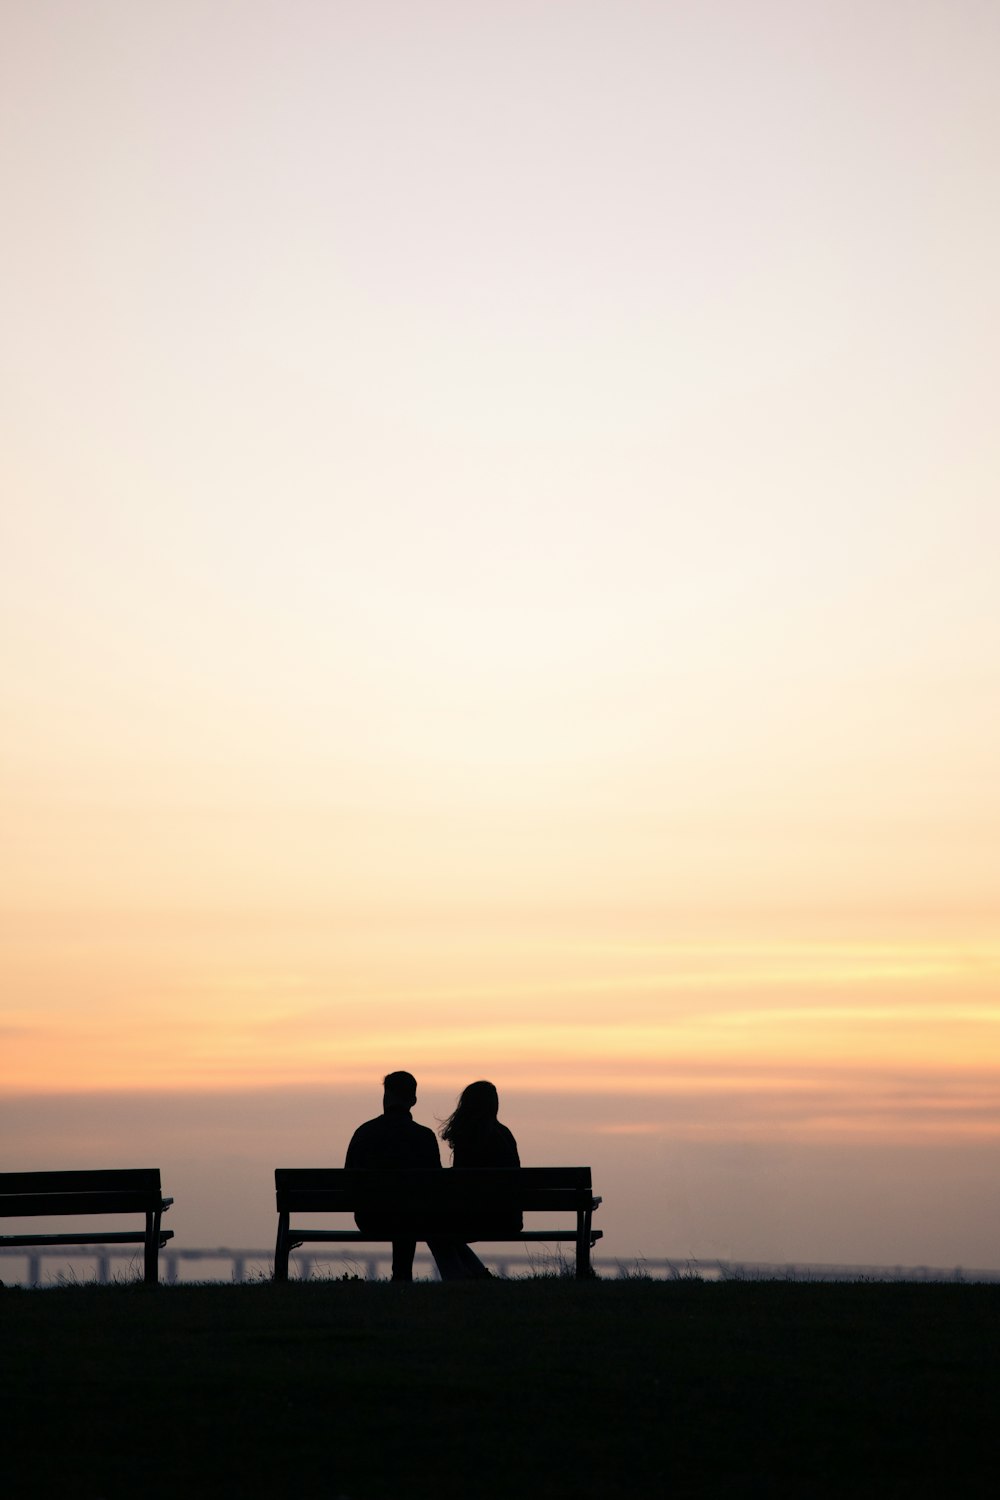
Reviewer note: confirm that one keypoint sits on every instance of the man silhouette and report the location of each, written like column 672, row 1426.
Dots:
column 394, row 1139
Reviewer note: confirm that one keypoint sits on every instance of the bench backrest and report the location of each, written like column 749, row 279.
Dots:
column 470, row 1191
column 31, row 1194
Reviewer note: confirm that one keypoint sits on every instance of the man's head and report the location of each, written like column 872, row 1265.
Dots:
column 400, row 1091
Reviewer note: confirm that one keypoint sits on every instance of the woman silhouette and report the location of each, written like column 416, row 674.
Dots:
column 477, row 1139
column 475, row 1135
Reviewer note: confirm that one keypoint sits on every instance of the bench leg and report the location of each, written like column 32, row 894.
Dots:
column 281, row 1250
column 583, row 1224
column 151, row 1269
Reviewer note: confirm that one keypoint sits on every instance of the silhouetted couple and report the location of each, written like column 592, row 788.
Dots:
column 394, row 1139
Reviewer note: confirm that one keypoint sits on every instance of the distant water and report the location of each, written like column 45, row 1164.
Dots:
column 65, row 1265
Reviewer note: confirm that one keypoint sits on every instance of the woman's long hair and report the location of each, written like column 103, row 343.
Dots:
column 478, row 1106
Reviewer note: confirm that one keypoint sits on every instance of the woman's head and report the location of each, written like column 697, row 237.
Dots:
column 478, row 1104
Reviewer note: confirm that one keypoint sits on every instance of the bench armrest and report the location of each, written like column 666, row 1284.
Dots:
column 596, row 1202
column 166, row 1204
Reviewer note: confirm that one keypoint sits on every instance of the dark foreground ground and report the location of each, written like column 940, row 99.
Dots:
column 359, row 1391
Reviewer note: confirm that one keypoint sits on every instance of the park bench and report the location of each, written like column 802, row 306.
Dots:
column 430, row 1204
column 55, row 1194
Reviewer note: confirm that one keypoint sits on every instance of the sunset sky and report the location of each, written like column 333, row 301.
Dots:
column 498, row 577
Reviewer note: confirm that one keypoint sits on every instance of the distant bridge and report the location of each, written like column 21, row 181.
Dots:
column 106, row 1263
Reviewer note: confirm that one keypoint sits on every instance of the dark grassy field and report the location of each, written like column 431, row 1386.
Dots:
column 536, row 1388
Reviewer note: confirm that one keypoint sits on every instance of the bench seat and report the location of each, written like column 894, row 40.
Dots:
column 428, row 1204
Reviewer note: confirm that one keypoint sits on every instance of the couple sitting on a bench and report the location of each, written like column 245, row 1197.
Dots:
column 395, row 1140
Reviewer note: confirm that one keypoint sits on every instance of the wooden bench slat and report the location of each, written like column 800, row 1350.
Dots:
column 114, row 1237
column 347, row 1179
column 125, row 1179
column 357, row 1236
column 28, row 1205
column 412, row 1201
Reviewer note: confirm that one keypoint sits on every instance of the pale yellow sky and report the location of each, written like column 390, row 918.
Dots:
column 498, row 551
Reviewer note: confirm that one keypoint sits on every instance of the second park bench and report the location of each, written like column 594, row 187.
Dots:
column 58, row 1195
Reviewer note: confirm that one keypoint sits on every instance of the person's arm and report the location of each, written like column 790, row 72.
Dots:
column 510, row 1156
column 355, row 1151
column 433, row 1149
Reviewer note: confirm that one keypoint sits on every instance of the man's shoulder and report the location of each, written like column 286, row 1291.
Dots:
column 364, row 1141
column 423, row 1139
column 423, row 1149
column 407, row 1125
column 393, row 1140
